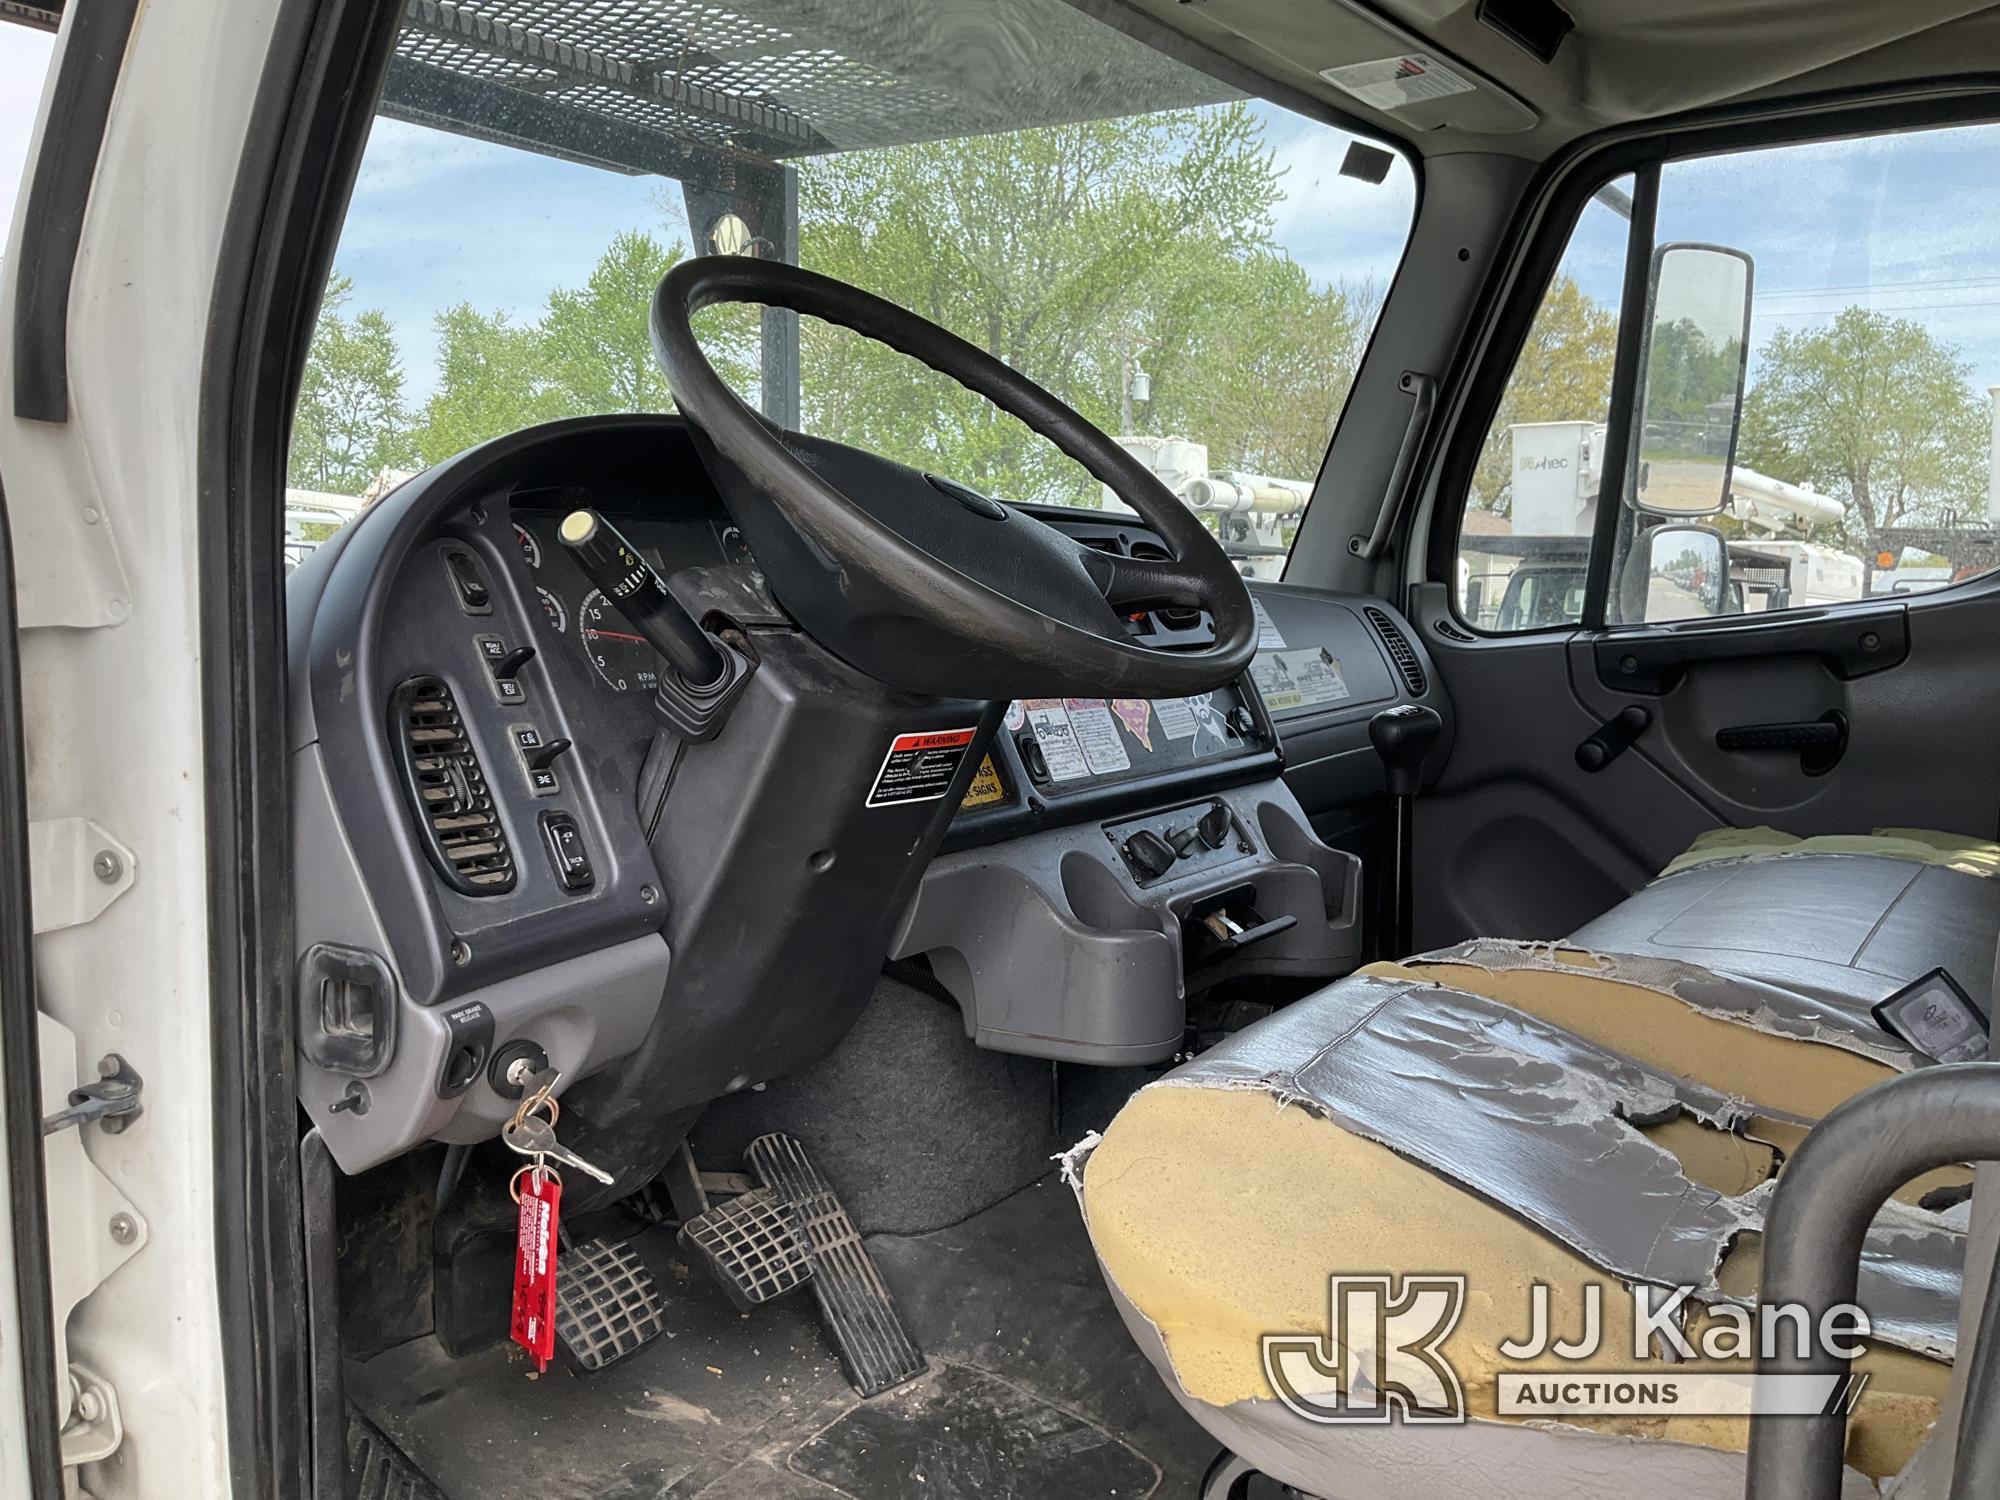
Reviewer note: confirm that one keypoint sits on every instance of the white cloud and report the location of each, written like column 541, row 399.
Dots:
column 24, row 61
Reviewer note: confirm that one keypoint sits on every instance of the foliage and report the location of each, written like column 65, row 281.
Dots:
column 1077, row 254
column 489, row 382
column 1074, row 253
column 1563, row 374
column 1875, row 411
column 350, row 422
column 1686, row 372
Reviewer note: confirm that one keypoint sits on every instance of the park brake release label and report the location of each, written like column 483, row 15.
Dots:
column 920, row 767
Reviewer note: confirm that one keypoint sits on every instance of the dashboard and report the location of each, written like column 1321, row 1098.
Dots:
column 501, row 855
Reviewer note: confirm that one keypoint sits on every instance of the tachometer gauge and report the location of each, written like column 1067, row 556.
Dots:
column 553, row 608
column 530, row 548
column 619, row 653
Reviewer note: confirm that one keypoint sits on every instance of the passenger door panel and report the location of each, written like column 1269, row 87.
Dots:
column 1517, row 839
column 1514, row 839
column 1914, row 684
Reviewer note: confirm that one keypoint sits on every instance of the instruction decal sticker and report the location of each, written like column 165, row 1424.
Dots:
column 1097, row 735
column 1398, row 82
column 1058, row 740
column 1299, row 679
column 920, row 767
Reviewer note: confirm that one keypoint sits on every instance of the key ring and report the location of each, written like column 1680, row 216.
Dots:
column 514, row 1182
column 534, row 1103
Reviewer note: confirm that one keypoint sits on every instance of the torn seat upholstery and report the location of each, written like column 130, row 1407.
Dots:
column 1390, row 1125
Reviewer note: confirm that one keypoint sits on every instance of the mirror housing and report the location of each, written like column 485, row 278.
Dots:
column 1689, row 405
column 1687, row 573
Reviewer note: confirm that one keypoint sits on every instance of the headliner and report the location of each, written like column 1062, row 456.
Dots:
column 1626, row 61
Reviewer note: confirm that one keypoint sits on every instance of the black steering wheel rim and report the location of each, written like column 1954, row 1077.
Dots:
column 935, row 592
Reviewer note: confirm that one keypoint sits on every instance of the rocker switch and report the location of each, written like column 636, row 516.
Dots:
column 564, row 841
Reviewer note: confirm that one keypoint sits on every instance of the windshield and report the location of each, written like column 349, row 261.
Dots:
column 1195, row 272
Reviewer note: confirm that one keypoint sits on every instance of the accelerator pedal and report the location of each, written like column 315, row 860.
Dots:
column 876, row 1351
column 752, row 1245
column 606, row 1304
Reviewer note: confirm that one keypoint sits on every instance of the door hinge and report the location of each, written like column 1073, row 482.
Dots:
column 113, row 1099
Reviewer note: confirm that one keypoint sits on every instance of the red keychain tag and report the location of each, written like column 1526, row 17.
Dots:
column 534, row 1325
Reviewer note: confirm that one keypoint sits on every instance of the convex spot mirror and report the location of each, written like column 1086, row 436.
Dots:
column 1687, row 573
column 1690, row 400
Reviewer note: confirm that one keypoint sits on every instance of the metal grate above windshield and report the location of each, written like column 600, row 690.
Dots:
column 632, row 83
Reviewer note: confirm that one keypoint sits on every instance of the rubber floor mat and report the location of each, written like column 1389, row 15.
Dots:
column 962, row 1434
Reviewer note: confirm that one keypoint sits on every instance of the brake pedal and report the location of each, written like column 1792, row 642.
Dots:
column 876, row 1350
column 752, row 1246
column 606, row 1304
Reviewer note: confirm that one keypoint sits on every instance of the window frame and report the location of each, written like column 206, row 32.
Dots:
column 1552, row 209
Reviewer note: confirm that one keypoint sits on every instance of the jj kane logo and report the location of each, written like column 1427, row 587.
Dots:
column 1383, row 1357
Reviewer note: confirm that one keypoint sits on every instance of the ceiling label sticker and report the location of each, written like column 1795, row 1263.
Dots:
column 1299, row 679
column 1136, row 714
column 1058, row 741
column 1398, row 82
column 1268, row 636
column 1097, row 735
column 920, row 767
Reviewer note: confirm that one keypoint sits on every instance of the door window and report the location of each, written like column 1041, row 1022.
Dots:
column 1524, row 538
column 1844, row 295
column 1866, row 465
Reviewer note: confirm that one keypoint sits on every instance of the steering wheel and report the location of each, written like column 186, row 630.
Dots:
column 920, row 581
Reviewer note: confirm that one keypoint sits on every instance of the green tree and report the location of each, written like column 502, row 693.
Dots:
column 1875, row 411
column 597, row 339
column 1246, row 354
column 490, row 382
column 1563, row 374
column 1066, row 252
column 1686, row 372
column 350, row 423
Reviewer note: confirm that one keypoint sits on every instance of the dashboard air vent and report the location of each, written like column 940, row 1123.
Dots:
column 1400, row 652
column 448, row 790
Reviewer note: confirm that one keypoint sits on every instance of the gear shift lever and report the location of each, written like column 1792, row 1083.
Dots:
column 1402, row 737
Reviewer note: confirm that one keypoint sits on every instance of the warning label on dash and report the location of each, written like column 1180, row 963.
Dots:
column 920, row 767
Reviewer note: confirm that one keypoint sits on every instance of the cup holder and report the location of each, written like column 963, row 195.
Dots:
column 1096, row 898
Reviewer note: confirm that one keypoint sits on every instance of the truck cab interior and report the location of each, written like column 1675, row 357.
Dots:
column 1120, row 659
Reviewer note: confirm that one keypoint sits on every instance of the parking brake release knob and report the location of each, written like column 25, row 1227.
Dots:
column 1403, row 737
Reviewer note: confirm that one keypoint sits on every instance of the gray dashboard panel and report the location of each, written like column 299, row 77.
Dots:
column 583, row 1011
column 1328, row 760
column 1054, row 949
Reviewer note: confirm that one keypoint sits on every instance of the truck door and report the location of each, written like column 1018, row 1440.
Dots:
column 1594, row 746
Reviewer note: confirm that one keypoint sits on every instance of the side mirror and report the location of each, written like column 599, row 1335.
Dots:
column 1687, row 573
column 1692, row 370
